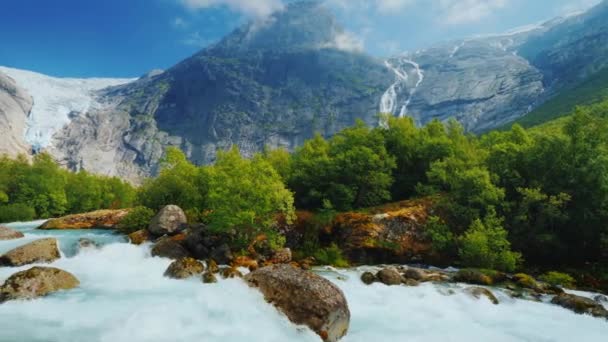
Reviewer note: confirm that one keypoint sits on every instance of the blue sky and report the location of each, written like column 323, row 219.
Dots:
column 126, row 38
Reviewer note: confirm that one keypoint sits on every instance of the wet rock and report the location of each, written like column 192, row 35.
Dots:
column 246, row 262
column 170, row 220
column 389, row 276
column 36, row 282
column 100, row 219
column 204, row 244
column 222, row 254
column 212, row 266
column 526, row 281
column 139, row 237
column 230, row 272
column 167, row 248
column 472, row 276
column 479, row 292
column 84, row 243
column 209, row 278
column 368, row 278
column 414, row 273
column 43, row 250
column 305, row 298
column 410, row 282
column 184, row 268
column 282, row 256
column 580, row 305
column 7, row 233
column 601, row 299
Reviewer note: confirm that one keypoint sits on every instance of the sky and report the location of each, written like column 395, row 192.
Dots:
column 127, row 38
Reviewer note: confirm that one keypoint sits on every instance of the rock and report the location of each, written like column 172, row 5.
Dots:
column 170, row 220
column 43, row 250
column 209, row 278
column 414, row 273
column 84, row 243
column 526, row 281
column 101, row 219
column 601, row 299
column 9, row 234
column 436, row 277
column 479, row 292
column 247, row 262
column 472, row 276
column 139, row 237
column 230, row 272
column 580, row 305
column 368, row 278
column 222, row 254
column 389, row 276
column 204, row 244
column 184, row 268
column 410, row 282
column 16, row 106
column 212, row 266
column 167, row 248
column 282, row 256
column 305, row 298
column 36, row 282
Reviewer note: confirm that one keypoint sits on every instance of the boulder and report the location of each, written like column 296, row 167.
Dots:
column 204, row 244
column 389, row 276
column 184, row 268
column 36, row 282
column 171, row 219
column 247, row 262
column 472, row 276
column 222, row 254
column 479, row 292
column 282, row 256
column 410, row 282
column 7, row 233
column 580, row 305
column 368, row 278
column 209, row 278
column 43, row 250
column 84, row 243
column 230, row 272
column 305, row 298
column 212, row 266
column 101, row 219
column 527, row 281
column 139, row 237
column 415, row 274
column 167, row 248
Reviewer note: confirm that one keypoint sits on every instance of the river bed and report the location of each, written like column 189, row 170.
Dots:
column 123, row 297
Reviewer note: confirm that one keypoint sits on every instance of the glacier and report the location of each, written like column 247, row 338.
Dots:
column 55, row 99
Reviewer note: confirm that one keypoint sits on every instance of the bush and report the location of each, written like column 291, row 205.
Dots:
column 440, row 235
column 16, row 212
column 137, row 219
column 485, row 245
column 331, row 255
column 558, row 279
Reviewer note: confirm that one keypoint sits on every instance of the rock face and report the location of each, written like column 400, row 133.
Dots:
column 305, row 298
column 171, row 219
column 393, row 236
column 43, row 250
column 15, row 104
column 101, row 219
column 580, row 305
column 36, row 282
column 184, row 268
column 9, row 234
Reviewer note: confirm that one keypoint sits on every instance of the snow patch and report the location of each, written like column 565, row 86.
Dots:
column 54, row 100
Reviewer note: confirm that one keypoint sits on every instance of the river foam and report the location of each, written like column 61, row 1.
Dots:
column 123, row 297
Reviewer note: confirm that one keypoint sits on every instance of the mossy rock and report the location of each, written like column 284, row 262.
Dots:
column 473, row 276
column 526, row 281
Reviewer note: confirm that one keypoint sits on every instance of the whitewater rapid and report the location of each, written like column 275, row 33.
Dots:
column 55, row 99
column 123, row 297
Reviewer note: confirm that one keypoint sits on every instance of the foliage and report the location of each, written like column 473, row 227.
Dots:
column 331, row 255
column 138, row 218
column 16, row 212
column 485, row 245
column 440, row 234
column 558, row 278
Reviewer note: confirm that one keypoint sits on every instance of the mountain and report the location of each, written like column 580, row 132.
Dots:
column 276, row 82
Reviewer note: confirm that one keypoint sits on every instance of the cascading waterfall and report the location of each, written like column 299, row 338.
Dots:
column 420, row 78
column 389, row 100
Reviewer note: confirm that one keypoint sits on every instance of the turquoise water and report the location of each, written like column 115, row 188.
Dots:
column 123, row 297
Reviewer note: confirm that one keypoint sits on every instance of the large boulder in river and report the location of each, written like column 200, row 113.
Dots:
column 184, row 268
column 169, row 248
column 43, row 250
column 171, row 219
column 580, row 305
column 36, row 282
column 306, row 298
column 100, row 219
column 389, row 276
column 7, row 233
column 203, row 244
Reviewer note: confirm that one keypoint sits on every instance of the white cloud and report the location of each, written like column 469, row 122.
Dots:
column 347, row 41
column 577, row 6
column 392, row 6
column 466, row 11
column 180, row 23
column 251, row 8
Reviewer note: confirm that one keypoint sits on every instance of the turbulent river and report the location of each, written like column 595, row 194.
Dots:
column 123, row 297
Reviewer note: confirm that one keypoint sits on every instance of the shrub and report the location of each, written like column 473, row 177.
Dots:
column 485, row 245
column 440, row 235
column 137, row 219
column 558, row 279
column 16, row 212
column 331, row 255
